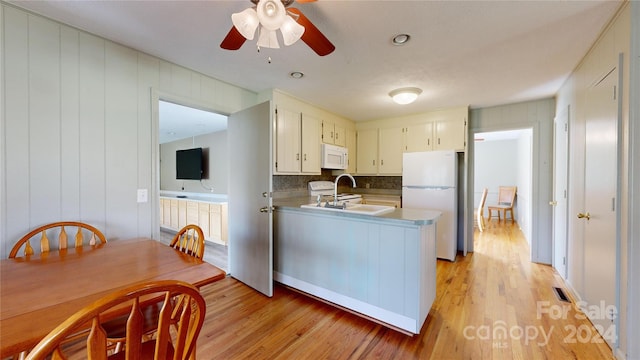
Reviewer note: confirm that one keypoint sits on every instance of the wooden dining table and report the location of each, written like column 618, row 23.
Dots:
column 38, row 293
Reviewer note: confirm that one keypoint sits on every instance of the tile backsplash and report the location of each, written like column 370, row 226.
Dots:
column 297, row 184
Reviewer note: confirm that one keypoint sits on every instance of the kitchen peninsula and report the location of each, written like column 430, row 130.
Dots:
column 381, row 267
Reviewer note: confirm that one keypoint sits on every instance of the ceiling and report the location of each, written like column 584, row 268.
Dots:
column 180, row 122
column 475, row 53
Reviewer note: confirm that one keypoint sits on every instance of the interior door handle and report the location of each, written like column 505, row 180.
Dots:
column 266, row 209
column 584, row 216
column 553, row 203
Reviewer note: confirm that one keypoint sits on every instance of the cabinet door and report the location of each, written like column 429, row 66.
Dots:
column 214, row 223
column 418, row 137
column 328, row 132
column 182, row 214
column 339, row 137
column 367, row 151
column 287, row 141
column 311, row 134
column 350, row 142
column 173, row 221
column 451, row 134
column 192, row 212
column 390, row 151
column 165, row 212
column 203, row 218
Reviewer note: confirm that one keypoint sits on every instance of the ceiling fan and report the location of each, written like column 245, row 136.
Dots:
column 270, row 15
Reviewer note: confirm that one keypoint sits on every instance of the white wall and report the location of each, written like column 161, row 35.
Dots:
column 618, row 38
column 78, row 121
column 218, row 156
column 506, row 163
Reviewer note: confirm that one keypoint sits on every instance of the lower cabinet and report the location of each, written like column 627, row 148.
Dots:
column 211, row 217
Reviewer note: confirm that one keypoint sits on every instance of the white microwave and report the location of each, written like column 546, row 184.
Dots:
column 334, row 157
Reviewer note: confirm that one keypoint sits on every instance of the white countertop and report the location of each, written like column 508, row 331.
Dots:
column 191, row 196
column 402, row 215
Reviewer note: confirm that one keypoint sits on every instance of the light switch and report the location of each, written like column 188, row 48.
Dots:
column 142, row 195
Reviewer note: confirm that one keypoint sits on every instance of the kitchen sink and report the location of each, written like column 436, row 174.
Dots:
column 364, row 209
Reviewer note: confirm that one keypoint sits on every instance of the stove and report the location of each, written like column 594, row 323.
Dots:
column 325, row 189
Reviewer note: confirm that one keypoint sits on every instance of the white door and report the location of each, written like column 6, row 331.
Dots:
column 601, row 202
column 249, row 135
column 559, row 203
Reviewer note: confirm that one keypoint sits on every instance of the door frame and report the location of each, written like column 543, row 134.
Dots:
column 154, row 193
column 562, row 243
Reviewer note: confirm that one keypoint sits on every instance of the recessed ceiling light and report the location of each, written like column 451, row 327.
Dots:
column 401, row 39
column 296, row 74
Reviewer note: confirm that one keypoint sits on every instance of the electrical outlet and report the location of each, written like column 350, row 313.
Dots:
column 143, row 195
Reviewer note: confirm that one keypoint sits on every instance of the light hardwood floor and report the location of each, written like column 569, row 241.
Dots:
column 491, row 304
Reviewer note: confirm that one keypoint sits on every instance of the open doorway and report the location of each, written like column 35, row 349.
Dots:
column 200, row 199
column 505, row 158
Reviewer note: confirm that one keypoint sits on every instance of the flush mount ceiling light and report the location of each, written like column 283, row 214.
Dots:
column 268, row 16
column 406, row 95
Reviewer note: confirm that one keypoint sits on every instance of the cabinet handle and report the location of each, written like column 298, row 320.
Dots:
column 336, row 136
column 381, row 162
column 428, row 142
column 438, row 141
column 332, row 134
column 298, row 156
column 374, row 162
column 305, row 157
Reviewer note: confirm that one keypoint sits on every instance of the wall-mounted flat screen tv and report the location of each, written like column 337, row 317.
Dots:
column 189, row 164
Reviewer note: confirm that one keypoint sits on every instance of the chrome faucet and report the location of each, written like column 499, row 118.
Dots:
column 335, row 187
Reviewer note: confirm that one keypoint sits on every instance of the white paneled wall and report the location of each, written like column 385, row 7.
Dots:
column 78, row 123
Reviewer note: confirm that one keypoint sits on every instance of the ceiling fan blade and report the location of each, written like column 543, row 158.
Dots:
column 233, row 40
column 312, row 36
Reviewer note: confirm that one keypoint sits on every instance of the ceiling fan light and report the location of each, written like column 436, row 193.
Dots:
column 271, row 14
column 291, row 31
column 246, row 22
column 268, row 39
column 406, row 95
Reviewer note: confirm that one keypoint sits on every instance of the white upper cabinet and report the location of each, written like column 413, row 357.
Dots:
column 311, row 133
column 390, row 151
column 418, row 137
column 451, row 134
column 333, row 133
column 288, row 141
column 351, row 144
column 297, row 143
column 367, row 152
column 381, row 143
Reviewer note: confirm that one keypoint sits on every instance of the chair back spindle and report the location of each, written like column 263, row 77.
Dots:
column 62, row 237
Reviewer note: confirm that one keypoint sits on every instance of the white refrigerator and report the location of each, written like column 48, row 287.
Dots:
column 429, row 181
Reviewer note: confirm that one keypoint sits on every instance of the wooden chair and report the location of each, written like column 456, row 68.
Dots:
column 190, row 312
column 189, row 240
column 506, row 198
column 59, row 227
column 480, row 211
